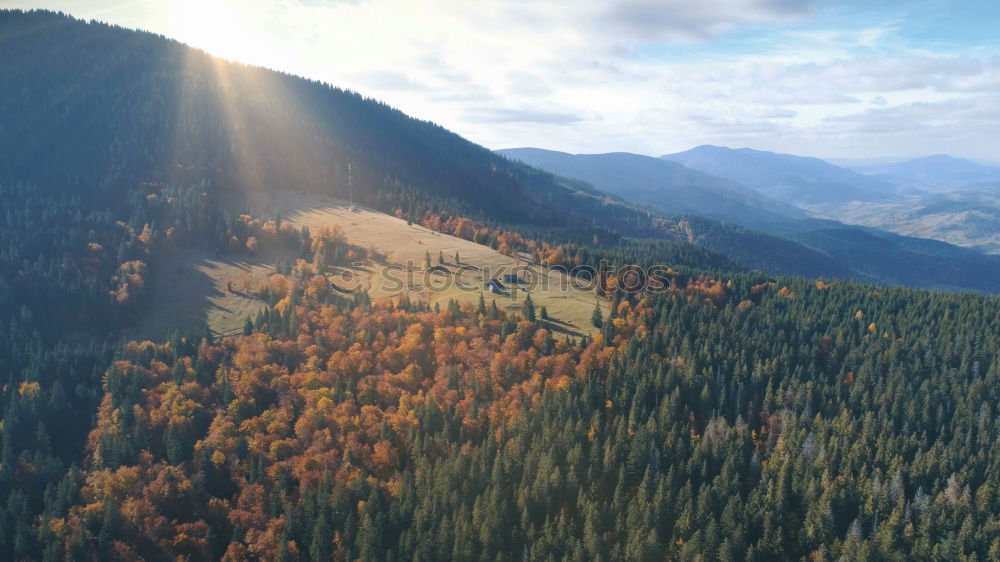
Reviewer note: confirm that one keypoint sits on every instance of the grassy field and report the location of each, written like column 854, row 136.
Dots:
column 195, row 287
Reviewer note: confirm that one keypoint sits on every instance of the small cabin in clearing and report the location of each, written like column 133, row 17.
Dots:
column 495, row 286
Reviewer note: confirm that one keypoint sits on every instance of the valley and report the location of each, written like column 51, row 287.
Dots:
column 967, row 222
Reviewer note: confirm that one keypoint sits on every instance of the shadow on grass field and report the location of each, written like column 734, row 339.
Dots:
column 192, row 289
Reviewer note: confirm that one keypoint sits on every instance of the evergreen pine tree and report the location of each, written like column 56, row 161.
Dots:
column 321, row 546
column 529, row 309
column 597, row 318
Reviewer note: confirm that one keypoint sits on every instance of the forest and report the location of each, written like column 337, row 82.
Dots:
column 730, row 418
column 759, row 407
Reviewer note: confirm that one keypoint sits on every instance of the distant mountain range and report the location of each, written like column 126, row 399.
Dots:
column 664, row 186
column 949, row 199
column 774, row 234
column 794, row 180
column 937, row 197
column 936, row 173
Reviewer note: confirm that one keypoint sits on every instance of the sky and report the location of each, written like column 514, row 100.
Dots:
column 844, row 79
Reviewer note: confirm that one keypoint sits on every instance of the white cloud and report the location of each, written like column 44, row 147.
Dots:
column 522, row 115
column 392, row 80
column 680, row 19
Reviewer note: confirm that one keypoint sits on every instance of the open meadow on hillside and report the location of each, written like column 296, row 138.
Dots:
column 194, row 287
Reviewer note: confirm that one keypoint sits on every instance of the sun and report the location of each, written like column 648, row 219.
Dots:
column 216, row 26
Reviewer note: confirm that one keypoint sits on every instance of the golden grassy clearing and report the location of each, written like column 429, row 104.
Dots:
column 195, row 287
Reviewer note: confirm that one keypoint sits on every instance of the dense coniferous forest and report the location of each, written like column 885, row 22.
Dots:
column 745, row 422
column 733, row 415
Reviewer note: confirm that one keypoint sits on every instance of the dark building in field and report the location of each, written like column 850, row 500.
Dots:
column 495, row 286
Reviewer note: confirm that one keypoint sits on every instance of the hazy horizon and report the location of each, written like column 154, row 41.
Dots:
column 843, row 162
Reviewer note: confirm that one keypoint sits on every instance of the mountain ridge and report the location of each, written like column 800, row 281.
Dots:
column 665, row 186
column 788, row 178
column 860, row 251
column 938, row 172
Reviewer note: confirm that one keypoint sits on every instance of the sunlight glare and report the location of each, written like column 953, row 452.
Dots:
column 216, row 26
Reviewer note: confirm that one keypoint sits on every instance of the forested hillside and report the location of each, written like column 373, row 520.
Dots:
column 101, row 108
column 738, row 419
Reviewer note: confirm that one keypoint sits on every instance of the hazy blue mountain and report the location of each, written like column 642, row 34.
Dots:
column 667, row 187
column 760, row 238
column 939, row 173
column 790, row 179
column 857, row 164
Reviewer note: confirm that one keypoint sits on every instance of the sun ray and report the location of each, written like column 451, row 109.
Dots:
column 258, row 127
